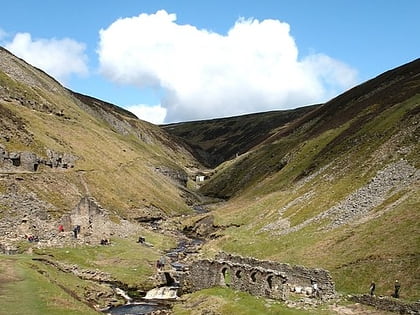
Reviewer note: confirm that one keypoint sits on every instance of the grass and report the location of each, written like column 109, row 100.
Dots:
column 125, row 260
column 119, row 170
column 382, row 249
column 47, row 290
column 107, row 157
column 26, row 291
column 226, row 301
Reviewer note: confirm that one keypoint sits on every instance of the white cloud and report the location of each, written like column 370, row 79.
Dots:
column 58, row 57
column 154, row 114
column 254, row 67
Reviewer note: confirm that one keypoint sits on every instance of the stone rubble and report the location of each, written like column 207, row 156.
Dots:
column 393, row 178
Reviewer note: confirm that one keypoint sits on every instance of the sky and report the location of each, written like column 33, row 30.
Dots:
column 184, row 60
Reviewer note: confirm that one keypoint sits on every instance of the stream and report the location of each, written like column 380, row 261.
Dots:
column 137, row 308
column 159, row 298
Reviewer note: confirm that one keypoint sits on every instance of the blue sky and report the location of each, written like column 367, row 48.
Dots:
column 187, row 60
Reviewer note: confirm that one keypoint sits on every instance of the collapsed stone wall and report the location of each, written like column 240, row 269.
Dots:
column 260, row 278
column 388, row 304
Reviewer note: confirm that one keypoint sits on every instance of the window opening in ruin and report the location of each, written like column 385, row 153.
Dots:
column 226, row 276
column 254, row 276
column 270, row 281
column 16, row 162
column 238, row 274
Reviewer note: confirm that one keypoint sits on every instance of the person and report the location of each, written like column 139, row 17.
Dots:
column 60, row 228
column 397, row 287
column 372, row 288
column 75, row 232
column 315, row 292
column 162, row 262
column 141, row 240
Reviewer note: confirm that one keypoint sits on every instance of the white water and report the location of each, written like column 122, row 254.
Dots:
column 123, row 294
column 162, row 293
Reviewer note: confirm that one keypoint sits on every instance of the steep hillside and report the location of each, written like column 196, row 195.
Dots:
column 347, row 123
column 218, row 140
column 336, row 188
column 65, row 157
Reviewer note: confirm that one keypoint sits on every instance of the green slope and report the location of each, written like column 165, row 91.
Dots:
column 337, row 188
column 118, row 157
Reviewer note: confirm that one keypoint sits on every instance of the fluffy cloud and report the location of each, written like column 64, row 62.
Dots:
column 58, row 57
column 254, row 67
column 154, row 114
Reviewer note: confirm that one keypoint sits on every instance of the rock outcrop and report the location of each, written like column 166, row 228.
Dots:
column 29, row 161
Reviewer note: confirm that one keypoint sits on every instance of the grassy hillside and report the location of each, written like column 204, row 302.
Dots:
column 118, row 158
column 67, row 158
column 337, row 188
column 333, row 185
column 217, row 140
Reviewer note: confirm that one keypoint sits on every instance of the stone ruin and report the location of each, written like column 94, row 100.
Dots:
column 29, row 161
column 260, row 278
column 86, row 214
column 27, row 215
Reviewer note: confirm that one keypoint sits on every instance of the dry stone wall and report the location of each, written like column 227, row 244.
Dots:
column 260, row 278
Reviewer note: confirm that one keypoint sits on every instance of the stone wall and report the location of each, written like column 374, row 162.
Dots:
column 88, row 214
column 260, row 278
column 388, row 304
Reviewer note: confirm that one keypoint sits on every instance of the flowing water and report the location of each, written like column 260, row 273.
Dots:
column 136, row 309
column 159, row 298
column 162, row 293
column 123, row 294
column 154, row 300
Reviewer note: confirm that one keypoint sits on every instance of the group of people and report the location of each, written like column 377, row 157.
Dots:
column 32, row 238
column 160, row 263
column 397, row 287
column 105, row 241
column 76, row 230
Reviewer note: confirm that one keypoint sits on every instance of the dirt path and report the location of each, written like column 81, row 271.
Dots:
column 8, row 273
